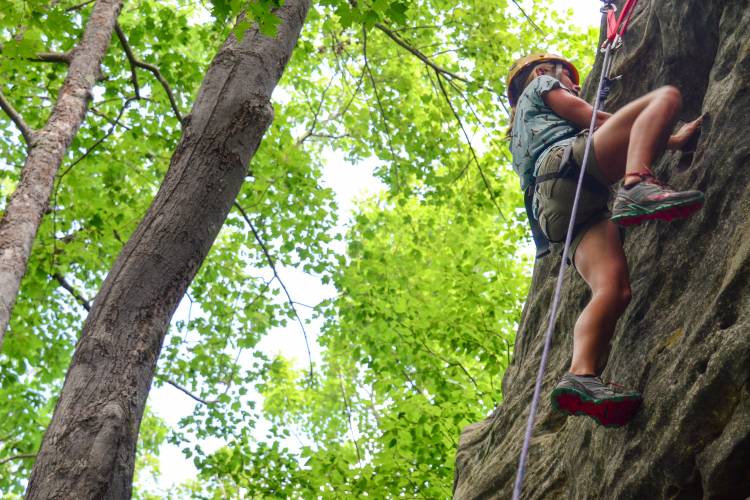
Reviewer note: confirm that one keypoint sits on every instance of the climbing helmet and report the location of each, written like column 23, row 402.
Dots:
column 519, row 71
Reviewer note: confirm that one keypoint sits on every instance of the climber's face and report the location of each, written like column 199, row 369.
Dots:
column 567, row 79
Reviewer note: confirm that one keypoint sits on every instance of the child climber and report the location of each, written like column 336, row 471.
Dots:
column 549, row 128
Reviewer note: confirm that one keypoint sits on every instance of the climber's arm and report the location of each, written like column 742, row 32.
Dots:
column 572, row 108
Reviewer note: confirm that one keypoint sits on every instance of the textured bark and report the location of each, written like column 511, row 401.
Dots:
column 47, row 150
column 684, row 341
column 89, row 448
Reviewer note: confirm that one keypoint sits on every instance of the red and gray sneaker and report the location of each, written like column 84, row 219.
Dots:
column 650, row 199
column 609, row 404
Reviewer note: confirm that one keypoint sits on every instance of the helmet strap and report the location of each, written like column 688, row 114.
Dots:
column 558, row 71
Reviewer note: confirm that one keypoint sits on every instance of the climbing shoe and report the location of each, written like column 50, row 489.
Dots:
column 650, row 199
column 609, row 404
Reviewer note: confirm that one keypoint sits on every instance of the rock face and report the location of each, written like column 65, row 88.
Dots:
column 684, row 340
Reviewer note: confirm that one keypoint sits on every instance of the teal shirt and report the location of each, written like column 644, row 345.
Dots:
column 536, row 128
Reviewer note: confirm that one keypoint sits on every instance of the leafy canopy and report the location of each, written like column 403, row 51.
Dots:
column 429, row 282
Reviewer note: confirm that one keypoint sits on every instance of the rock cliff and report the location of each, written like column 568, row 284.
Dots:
column 684, row 340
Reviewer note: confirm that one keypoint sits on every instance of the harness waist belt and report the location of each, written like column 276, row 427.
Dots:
column 569, row 169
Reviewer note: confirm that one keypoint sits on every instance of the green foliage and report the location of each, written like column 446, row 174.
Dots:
column 429, row 286
column 252, row 11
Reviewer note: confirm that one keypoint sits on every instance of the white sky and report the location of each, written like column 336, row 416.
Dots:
column 349, row 184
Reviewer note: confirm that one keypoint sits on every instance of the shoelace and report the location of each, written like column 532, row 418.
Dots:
column 616, row 387
column 648, row 178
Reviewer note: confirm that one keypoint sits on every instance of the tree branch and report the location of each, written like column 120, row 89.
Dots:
column 349, row 417
column 63, row 283
column 471, row 147
column 276, row 276
column 17, row 457
column 153, row 69
column 422, row 57
column 531, row 21
column 311, row 131
column 380, row 104
column 111, row 121
column 131, row 59
column 451, row 363
column 200, row 400
column 392, row 35
column 52, row 57
column 79, row 6
column 150, row 67
column 111, row 130
column 26, row 131
column 49, row 57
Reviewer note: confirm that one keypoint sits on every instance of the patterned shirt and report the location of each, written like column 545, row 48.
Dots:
column 536, row 128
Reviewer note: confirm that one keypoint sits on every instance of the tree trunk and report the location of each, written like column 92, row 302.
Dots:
column 89, row 447
column 47, row 150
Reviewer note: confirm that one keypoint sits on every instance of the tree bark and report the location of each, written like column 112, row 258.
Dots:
column 27, row 205
column 88, row 450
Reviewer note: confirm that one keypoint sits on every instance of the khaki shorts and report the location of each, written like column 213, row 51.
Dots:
column 553, row 199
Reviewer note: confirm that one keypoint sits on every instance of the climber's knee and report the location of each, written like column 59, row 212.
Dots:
column 671, row 96
column 612, row 284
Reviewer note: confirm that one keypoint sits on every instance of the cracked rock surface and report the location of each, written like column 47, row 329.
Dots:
column 684, row 340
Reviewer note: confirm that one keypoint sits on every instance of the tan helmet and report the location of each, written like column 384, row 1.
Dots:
column 514, row 83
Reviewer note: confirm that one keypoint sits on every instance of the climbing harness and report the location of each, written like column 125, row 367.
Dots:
column 615, row 30
column 569, row 169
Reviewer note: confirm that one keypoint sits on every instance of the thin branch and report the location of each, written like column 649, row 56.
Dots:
column 200, row 400
column 311, row 131
column 438, row 69
column 471, row 108
column 131, row 59
column 276, row 276
column 400, row 41
column 150, row 67
column 47, row 57
column 380, row 104
column 471, row 147
column 26, row 131
column 414, row 28
column 349, row 417
column 63, row 283
column 17, row 457
column 79, row 6
column 76, row 162
column 101, row 139
column 53, row 57
column 451, row 363
column 326, row 136
column 337, row 115
column 531, row 21
column 153, row 69
column 304, row 305
column 111, row 121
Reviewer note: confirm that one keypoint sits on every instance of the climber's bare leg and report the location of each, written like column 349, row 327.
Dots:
column 601, row 262
column 636, row 135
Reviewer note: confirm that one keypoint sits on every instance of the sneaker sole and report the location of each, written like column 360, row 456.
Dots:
column 614, row 412
column 673, row 212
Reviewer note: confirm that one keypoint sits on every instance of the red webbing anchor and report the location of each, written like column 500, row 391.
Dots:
column 617, row 27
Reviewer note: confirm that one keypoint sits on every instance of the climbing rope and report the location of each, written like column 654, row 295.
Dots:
column 615, row 30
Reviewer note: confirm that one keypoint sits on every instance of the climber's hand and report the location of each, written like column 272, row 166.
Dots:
column 681, row 139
